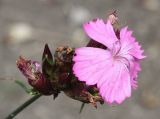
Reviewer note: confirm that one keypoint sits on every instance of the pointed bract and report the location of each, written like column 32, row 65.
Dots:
column 47, row 61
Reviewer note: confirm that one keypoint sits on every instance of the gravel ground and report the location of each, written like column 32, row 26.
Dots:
column 26, row 25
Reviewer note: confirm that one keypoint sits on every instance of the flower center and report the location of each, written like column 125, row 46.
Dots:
column 116, row 48
column 116, row 54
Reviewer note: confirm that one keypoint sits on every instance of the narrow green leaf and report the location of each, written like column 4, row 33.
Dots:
column 23, row 86
column 28, row 90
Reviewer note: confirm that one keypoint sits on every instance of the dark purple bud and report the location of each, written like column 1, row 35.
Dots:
column 79, row 91
column 63, row 55
column 32, row 71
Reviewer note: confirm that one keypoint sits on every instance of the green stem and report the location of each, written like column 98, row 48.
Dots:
column 82, row 107
column 23, row 106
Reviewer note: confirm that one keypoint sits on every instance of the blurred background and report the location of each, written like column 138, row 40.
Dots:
column 26, row 25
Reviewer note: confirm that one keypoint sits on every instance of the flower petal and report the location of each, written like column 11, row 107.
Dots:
column 101, row 32
column 129, row 45
column 116, row 86
column 134, row 69
column 89, row 64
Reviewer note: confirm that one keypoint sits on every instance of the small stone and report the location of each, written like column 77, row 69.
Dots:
column 78, row 15
column 19, row 32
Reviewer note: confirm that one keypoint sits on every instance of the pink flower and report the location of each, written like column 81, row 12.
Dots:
column 114, row 70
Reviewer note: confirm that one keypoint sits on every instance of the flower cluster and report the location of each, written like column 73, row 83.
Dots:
column 53, row 76
column 105, row 70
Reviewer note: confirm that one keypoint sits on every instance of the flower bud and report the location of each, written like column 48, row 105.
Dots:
column 32, row 71
column 86, row 94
